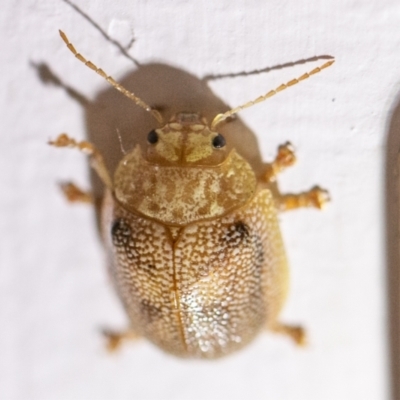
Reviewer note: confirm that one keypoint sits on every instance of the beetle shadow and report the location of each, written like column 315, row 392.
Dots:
column 393, row 245
column 115, row 124
column 212, row 77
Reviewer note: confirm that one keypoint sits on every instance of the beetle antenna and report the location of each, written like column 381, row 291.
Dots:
column 222, row 117
column 110, row 79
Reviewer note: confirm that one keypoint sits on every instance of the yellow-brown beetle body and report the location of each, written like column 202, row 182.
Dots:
column 197, row 255
column 192, row 235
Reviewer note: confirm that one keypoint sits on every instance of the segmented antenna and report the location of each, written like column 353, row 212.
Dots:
column 110, row 79
column 222, row 117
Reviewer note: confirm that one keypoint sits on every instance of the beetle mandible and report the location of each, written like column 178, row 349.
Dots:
column 197, row 255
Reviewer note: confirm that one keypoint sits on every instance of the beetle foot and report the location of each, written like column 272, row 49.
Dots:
column 296, row 332
column 74, row 194
column 114, row 339
column 96, row 158
column 285, row 158
column 318, row 197
column 63, row 140
column 315, row 197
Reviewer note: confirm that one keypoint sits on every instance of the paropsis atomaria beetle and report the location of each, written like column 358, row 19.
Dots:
column 197, row 255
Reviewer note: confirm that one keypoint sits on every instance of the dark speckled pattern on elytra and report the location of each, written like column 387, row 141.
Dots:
column 209, row 291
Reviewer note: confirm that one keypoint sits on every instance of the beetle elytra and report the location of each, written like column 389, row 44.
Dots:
column 192, row 232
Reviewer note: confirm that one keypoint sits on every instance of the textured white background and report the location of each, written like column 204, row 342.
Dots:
column 54, row 292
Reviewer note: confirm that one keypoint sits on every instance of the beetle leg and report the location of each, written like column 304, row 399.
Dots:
column 285, row 158
column 315, row 197
column 74, row 194
column 115, row 338
column 96, row 158
column 295, row 332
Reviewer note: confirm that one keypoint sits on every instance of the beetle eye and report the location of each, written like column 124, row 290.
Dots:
column 152, row 137
column 219, row 141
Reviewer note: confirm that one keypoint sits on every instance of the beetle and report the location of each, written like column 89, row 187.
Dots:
column 192, row 232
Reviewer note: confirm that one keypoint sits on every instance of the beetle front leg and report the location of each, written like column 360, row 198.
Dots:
column 115, row 338
column 315, row 197
column 96, row 158
column 285, row 158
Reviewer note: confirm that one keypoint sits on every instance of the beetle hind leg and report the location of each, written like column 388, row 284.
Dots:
column 296, row 332
column 114, row 339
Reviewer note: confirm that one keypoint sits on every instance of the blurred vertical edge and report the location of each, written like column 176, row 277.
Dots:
column 393, row 246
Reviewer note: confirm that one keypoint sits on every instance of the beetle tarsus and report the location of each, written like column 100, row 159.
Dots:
column 74, row 194
column 96, row 158
column 315, row 197
column 296, row 332
column 114, row 339
column 285, row 158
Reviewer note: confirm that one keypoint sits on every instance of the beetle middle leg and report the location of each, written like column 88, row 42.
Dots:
column 76, row 195
column 315, row 197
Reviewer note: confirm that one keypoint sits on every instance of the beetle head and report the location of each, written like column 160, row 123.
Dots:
column 186, row 140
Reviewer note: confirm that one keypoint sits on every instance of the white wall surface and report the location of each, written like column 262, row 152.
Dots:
column 54, row 290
